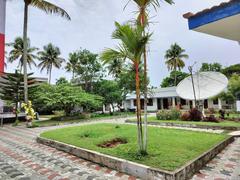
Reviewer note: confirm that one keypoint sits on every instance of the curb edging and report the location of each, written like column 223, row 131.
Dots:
column 139, row 170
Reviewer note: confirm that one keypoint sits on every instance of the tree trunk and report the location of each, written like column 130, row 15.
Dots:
column 50, row 75
column 25, row 26
column 175, row 76
column 145, row 85
column 139, row 121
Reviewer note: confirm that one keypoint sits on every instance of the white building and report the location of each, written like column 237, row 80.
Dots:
column 167, row 98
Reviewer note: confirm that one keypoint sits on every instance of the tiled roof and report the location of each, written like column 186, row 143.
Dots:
column 190, row 14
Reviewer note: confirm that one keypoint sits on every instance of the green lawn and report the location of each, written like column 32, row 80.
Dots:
column 222, row 124
column 54, row 121
column 168, row 149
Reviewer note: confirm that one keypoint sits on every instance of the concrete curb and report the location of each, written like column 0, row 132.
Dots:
column 139, row 170
column 167, row 124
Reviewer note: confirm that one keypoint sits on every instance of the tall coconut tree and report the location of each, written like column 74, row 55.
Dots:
column 175, row 59
column 47, row 7
column 72, row 63
column 143, row 20
column 49, row 58
column 115, row 67
column 131, row 47
column 16, row 53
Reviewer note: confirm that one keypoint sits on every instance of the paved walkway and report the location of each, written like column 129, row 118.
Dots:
column 24, row 159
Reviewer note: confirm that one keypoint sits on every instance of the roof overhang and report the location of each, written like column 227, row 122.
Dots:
column 221, row 21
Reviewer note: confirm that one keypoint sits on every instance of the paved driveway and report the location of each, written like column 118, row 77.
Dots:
column 22, row 158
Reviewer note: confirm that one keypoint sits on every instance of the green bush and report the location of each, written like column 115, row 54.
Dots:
column 173, row 114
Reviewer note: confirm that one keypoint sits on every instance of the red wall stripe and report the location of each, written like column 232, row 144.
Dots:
column 2, row 52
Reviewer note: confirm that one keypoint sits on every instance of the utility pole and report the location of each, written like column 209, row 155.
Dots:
column 190, row 68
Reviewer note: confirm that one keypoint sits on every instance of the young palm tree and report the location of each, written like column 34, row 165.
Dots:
column 142, row 20
column 49, row 58
column 72, row 63
column 174, row 59
column 47, row 7
column 16, row 54
column 131, row 47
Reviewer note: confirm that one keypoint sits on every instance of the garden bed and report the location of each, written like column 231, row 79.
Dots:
column 224, row 125
column 172, row 153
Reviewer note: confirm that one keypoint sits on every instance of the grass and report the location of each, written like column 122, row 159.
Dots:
column 168, row 149
column 225, row 123
column 54, row 120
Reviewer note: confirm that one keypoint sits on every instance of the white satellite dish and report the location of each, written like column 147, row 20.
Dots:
column 206, row 85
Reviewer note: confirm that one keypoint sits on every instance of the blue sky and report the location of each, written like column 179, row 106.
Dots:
column 93, row 22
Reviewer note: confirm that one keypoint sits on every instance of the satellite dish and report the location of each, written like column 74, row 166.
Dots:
column 206, row 85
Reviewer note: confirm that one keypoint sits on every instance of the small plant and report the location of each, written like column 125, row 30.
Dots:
column 117, row 126
column 30, row 113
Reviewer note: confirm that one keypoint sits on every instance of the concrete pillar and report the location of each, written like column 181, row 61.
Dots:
column 173, row 102
column 194, row 104
column 161, row 103
column 2, row 33
column 219, row 103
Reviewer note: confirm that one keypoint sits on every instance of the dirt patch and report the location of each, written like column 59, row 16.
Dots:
column 113, row 143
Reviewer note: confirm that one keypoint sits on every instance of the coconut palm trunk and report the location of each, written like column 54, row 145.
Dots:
column 25, row 26
column 50, row 75
column 139, row 120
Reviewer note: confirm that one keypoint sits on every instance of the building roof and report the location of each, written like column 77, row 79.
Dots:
column 158, row 93
column 222, row 20
column 220, row 6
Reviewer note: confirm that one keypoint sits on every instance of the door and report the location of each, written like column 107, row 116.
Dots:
column 165, row 103
column 159, row 104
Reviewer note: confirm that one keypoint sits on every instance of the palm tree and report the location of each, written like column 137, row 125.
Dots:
column 142, row 20
column 72, row 63
column 132, row 45
column 16, row 54
column 49, row 58
column 47, row 7
column 174, row 59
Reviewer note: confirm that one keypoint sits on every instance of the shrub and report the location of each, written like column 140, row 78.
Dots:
column 173, row 114
column 192, row 115
column 211, row 118
column 186, row 116
column 195, row 114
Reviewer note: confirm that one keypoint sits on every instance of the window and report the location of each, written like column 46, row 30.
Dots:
column 215, row 102
column 150, row 102
column 135, row 102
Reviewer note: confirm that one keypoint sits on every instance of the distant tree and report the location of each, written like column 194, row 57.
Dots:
column 233, row 91
column 110, row 91
column 12, row 89
column 49, row 58
column 72, row 63
column 229, row 71
column 216, row 67
column 175, row 59
column 170, row 81
column 62, row 80
column 126, row 79
column 88, row 69
column 66, row 97
column 115, row 67
column 16, row 54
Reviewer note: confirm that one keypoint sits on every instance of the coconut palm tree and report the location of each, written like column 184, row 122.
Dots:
column 175, row 59
column 142, row 20
column 72, row 63
column 16, row 54
column 47, row 7
column 132, row 44
column 49, row 58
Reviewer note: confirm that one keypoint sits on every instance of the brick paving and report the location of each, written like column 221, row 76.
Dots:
column 225, row 166
column 22, row 158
